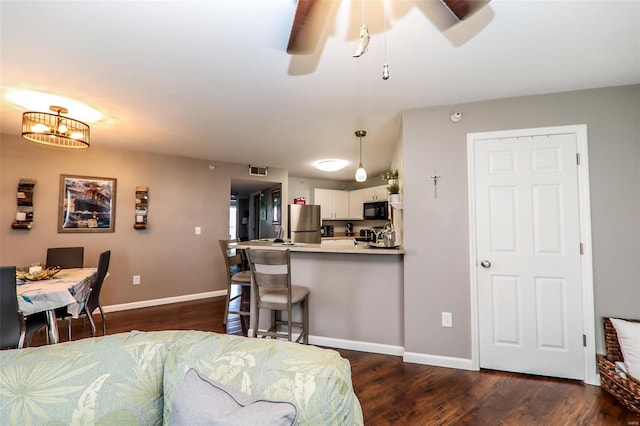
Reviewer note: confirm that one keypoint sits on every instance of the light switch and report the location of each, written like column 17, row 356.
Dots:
column 447, row 319
column 198, row 230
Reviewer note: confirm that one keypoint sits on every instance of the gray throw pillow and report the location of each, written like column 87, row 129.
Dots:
column 198, row 401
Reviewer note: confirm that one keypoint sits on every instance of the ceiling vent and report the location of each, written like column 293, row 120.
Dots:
column 257, row 171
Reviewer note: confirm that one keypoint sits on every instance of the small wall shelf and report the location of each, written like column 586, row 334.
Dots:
column 24, row 197
column 142, row 207
column 397, row 205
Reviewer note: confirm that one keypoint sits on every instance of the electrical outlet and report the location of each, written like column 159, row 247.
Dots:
column 136, row 280
column 447, row 319
column 198, row 230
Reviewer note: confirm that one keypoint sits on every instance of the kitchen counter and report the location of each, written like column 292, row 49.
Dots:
column 322, row 248
column 356, row 294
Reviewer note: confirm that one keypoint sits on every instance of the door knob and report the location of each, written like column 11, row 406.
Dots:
column 485, row 264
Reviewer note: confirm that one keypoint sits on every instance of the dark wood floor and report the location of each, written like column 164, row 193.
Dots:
column 395, row 393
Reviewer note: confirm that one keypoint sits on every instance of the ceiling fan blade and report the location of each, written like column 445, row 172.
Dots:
column 301, row 21
column 462, row 9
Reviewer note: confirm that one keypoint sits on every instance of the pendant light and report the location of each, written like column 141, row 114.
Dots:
column 361, row 173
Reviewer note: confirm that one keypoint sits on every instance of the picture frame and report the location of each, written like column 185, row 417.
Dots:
column 87, row 204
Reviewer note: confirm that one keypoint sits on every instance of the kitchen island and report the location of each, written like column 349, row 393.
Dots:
column 356, row 294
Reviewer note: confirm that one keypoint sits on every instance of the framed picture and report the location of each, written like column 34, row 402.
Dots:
column 87, row 204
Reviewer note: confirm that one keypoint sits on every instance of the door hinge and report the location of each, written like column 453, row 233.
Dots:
column 578, row 158
column 584, row 340
column 581, row 248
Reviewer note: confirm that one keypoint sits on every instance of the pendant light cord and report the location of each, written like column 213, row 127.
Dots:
column 384, row 6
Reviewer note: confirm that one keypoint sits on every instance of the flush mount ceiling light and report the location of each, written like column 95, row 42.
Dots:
column 54, row 129
column 330, row 165
column 361, row 173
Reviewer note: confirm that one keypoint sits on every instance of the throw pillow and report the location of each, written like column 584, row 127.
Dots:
column 629, row 340
column 198, row 401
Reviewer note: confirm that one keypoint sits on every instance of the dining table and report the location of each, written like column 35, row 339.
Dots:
column 69, row 287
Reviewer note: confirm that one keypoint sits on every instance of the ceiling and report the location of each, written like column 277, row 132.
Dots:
column 212, row 79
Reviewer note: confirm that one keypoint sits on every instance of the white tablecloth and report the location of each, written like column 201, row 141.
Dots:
column 69, row 287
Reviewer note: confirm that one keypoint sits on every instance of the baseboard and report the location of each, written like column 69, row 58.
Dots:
column 354, row 345
column 164, row 301
column 438, row 361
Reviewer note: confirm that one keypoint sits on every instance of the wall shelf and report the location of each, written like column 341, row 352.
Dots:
column 142, row 207
column 398, row 205
column 24, row 212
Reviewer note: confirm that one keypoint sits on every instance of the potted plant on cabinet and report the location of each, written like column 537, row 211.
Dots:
column 393, row 187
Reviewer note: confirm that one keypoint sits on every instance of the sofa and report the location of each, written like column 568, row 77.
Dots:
column 140, row 378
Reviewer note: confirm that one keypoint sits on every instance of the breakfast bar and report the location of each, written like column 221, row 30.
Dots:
column 356, row 293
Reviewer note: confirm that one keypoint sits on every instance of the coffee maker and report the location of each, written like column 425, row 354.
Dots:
column 349, row 232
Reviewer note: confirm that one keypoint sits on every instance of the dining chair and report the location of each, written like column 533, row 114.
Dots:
column 237, row 274
column 15, row 329
column 65, row 257
column 93, row 299
column 272, row 289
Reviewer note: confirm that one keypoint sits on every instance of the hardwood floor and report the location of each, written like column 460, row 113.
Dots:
column 395, row 393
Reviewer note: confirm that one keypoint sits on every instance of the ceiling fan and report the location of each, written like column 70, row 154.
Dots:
column 310, row 16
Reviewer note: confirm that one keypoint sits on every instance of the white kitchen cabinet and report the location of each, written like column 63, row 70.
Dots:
column 334, row 204
column 375, row 193
column 356, row 200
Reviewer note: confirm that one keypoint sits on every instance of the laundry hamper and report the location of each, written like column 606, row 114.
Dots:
column 626, row 391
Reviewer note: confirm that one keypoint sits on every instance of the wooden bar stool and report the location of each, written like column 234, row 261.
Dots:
column 272, row 289
column 236, row 275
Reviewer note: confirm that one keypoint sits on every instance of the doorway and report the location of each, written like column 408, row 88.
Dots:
column 247, row 206
column 531, row 275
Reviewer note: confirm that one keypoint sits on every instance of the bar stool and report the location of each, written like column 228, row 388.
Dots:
column 236, row 275
column 272, row 289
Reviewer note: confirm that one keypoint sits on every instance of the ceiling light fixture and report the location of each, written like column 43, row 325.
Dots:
column 331, row 165
column 54, row 129
column 361, row 173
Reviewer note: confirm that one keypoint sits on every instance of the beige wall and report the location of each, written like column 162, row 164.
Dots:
column 169, row 257
column 436, row 229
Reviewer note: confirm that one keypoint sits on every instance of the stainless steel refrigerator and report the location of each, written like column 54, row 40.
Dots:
column 304, row 223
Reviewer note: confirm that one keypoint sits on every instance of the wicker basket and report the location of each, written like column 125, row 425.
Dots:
column 627, row 391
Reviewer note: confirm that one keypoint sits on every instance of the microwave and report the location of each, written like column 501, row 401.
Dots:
column 376, row 210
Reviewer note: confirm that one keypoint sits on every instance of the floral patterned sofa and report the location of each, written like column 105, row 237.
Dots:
column 134, row 378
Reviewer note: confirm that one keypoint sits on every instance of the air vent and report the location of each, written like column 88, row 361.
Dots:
column 257, row 171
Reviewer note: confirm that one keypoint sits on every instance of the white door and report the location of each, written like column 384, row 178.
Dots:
column 528, row 255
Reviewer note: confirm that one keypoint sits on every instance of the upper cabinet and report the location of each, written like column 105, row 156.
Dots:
column 347, row 205
column 334, row 204
column 356, row 200
column 375, row 193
